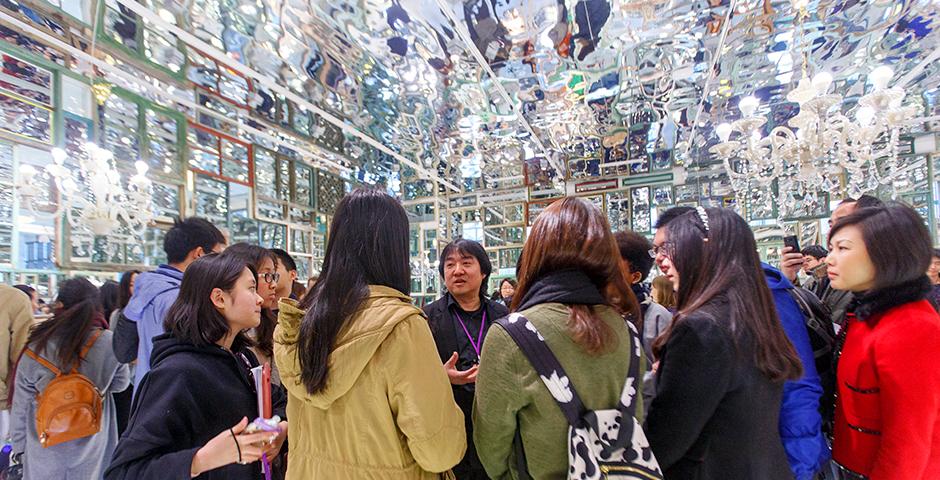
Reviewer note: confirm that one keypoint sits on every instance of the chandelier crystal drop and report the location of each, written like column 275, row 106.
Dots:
column 806, row 158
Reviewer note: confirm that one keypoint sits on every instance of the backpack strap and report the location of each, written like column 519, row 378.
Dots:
column 90, row 343
column 813, row 310
column 85, row 349
column 42, row 361
column 627, row 405
column 546, row 365
column 81, row 355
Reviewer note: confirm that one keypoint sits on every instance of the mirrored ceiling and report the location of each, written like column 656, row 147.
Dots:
column 483, row 92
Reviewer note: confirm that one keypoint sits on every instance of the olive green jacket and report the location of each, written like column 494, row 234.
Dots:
column 510, row 395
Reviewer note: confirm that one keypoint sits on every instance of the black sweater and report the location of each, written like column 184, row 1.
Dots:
column 191, row 394
column 715, row 414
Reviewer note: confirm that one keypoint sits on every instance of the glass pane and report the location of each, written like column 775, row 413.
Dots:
column 77, row 98
column 26, row 120
column 641, row 210
column 162, row 51
column 153, row 247
column 225, row 110
column 121, row 25
column 301, row 122
column 120, row 128
column 233, row 87
column 265, row 165
column 283, row 182
column 77, row 132
column 303, row 185
column 166, row 200
column 661, row 160
column 271, row 211
column 235, row 160
column 514, row 213
column 418, row 189
column 301, row 241
column 212, row 199
column 618, row 211
column 509, row 257
column 493, row 216
column 162, row 134
column 244, row 229
column 319, row 251
column 26, row 80
column 202, row 71
column 273, row 235
column 203, row 160
column 662, row 195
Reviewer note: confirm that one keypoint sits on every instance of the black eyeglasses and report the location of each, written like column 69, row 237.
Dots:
column 270, row 277
column 660, row 250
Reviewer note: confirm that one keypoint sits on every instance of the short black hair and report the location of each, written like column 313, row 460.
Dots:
column 815, row 251
column 285, row 259
column 469, row 248
column 635, row 248
column 188, row 234
column 883, row 229
column 866, row 201
column 936, row 253
column 25, row 289
column 670, row 215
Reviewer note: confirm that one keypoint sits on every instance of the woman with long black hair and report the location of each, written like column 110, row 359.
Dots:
column 76, row 336
column 122, row 400
column 192, row 408
column 368, row 395
column 265, row 262
column 724, row 358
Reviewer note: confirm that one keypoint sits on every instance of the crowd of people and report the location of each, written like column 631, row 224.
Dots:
column 721, row 366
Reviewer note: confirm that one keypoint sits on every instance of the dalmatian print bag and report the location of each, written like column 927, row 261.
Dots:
column 602, row 444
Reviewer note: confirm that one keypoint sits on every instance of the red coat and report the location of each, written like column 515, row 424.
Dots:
column 887, row 423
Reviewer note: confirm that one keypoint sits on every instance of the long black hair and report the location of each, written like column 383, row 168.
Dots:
column 255, row 256
column 110, row 293
column 124, row 296
column 77, row 312
column 193, row 318
column 720, row 258
column 368, row 245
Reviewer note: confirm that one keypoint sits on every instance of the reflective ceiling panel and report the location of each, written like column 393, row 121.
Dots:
column 607, row 87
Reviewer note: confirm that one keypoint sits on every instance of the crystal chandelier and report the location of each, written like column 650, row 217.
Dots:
column 100, row 203
column 807, row 157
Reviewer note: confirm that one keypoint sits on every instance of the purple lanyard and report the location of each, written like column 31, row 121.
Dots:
column 477, row 345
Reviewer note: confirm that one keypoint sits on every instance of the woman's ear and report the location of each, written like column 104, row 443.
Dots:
column 218, row 298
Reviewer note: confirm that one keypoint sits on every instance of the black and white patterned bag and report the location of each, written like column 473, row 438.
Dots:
column 602, row 444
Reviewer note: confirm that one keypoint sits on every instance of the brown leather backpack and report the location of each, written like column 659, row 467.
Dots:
column 69, row 407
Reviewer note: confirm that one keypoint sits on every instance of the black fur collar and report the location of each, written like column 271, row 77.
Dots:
column 869, row 305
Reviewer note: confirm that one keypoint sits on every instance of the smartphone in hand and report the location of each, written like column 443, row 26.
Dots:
column 792, row 242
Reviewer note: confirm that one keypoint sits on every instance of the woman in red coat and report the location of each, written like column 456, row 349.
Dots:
column 887, row 423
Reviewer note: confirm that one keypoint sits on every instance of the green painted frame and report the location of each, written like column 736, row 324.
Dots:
column 103, row 37
column 142, row 133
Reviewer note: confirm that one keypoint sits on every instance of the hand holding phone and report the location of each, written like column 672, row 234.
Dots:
column 792, row 242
